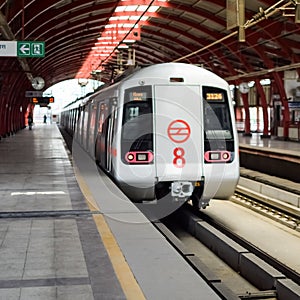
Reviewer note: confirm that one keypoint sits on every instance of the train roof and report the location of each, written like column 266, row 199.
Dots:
column 192, row 74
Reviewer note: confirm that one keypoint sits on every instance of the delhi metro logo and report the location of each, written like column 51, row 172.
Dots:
column 179, row 131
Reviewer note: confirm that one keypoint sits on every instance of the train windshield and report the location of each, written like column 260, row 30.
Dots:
column 217, row 121
column 137, row 124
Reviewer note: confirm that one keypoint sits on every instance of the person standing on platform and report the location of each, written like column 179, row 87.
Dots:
column 30, row 121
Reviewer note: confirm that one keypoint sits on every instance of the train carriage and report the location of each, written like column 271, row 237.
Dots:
column 164, row 131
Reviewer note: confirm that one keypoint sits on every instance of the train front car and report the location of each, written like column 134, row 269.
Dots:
column 164, row 135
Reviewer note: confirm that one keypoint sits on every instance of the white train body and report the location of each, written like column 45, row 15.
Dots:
column 165, row 130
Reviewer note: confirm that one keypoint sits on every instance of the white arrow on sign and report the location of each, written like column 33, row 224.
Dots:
column 25, row 50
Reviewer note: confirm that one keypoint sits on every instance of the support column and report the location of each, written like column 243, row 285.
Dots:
column 286, row 112
column 247, row 115
column 264, row 106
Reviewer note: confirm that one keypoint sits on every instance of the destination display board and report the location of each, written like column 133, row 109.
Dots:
column 42, row 101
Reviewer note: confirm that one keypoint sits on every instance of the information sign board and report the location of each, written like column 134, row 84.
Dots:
column 30, row 49
column 30, row 94
column 22, row 49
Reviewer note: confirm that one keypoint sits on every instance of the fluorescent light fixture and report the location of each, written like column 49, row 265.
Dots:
column 128, row 41
column 134, row 18
column 131, row 8
column 120, row 8
column 101, row 48
column 266, row 81
column 251, row 83
column 123, row 46
column 128, row 25
column 106, row 44
column 100, row 54
column 153, row 8
column 106, row 38
column 142, row 8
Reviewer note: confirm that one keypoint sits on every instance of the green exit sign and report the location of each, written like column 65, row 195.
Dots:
column 30, row 49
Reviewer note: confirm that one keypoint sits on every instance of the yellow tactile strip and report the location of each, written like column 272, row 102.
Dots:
column 123, row 272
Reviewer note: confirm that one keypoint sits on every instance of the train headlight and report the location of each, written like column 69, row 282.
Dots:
column 139, row 157
column 225, row 156
column 130, row 157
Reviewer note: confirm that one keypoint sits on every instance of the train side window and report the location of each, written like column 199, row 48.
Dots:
column 103, row 115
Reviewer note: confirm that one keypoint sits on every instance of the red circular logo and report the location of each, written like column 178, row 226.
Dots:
column 179, row 131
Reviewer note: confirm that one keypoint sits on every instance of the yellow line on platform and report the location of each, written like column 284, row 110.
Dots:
column 123, row 272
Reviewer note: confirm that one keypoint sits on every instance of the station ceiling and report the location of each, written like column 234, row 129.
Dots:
column 84, row 37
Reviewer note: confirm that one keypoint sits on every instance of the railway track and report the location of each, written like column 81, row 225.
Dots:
column 272, row 279
column 284, row 213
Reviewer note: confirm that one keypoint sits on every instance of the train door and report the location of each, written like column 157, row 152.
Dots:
column 92, row 128
column 86, row 128
column 110, row 134
column 106, row 129
column 80, row 128
column 179, row 133
column 101, row 137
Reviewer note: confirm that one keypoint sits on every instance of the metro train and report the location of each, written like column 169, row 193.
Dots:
column 166, row 130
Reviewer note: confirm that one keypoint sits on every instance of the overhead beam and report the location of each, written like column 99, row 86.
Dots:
column 264, row 72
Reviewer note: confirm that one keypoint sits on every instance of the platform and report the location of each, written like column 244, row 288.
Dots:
column 271, row 156
column 60, row 242
column 272, row 144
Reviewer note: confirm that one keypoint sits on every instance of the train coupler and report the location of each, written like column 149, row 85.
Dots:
column 181, row 189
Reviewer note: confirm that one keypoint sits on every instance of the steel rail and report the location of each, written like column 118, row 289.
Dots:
column 285, row 213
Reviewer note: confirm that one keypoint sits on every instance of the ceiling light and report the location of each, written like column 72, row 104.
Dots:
column 131, row 7
column 129, row 41
column 123, row 46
